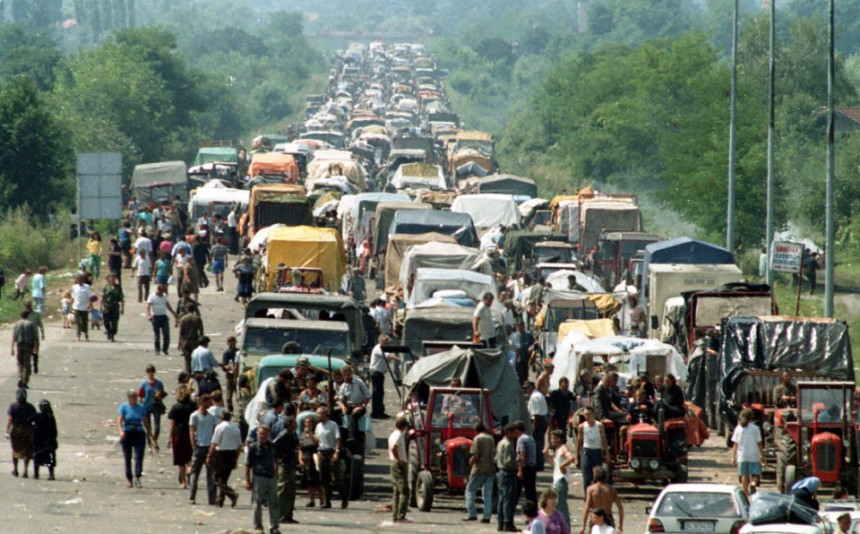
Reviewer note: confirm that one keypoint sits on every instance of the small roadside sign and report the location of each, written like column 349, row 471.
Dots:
column 786, row 257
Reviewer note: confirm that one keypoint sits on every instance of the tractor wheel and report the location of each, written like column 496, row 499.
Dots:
column 412, row 473
column 790, row 477
column 424, row 491
column 786, row 455
column 681, row 474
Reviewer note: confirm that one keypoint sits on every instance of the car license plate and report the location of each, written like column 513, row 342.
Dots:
column 698, row 526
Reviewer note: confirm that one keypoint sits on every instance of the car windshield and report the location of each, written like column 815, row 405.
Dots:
column 699, row 505
column 466, row 407
column 829, row 403
column 263, row 341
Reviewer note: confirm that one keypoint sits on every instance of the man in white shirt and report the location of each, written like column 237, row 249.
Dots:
column 328, row 434
column 81, row 305
column 378, row 369
column 143, row 272
column 144, row 243
column 223, row 456
column 157, row 306
column 397, row 454
column 483, row 327
column 233, row 225
column 353, row 396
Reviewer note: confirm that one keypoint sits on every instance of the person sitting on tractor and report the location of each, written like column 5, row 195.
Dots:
column 601, row 400
column 673, row 397
column 642, row 410
column 832, row 414
column 785, row 394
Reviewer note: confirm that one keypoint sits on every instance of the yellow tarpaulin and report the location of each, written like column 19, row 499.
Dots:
column 606, row 304
column 398, row 244
column 306, row 247
column 593, row 328
column 585, row 192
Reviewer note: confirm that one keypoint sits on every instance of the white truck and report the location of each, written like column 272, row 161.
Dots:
column 667, row 280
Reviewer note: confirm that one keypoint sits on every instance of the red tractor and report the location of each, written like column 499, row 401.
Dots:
column 656, row 450
column 440, row 439
column 819, row 438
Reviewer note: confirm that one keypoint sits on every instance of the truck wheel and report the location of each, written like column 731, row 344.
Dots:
column 786, row 455
column 412, row 473
column 790, row 477
column 424, row 491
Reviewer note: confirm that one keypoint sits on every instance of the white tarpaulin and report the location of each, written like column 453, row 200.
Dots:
column 558, row 280
column 630, row 354
column 261, row 238
column 488, row 210
column 442, row 256
column 428, row 281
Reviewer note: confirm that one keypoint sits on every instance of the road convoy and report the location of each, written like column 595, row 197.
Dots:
column 383, row 182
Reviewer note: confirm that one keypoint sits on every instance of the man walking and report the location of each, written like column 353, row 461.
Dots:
column 327, row 433
column 286, row 448
column 224, row 457
column 526, row 463
column 481, row 458
column 506, row 461
column 190, row 332
column 262, row 463
column 25, row 338
column 591, row 446
column 538, row 411
column 601, row 495
column 397, row 455
column 157, row 307
column 202, row 358
column 202, row 427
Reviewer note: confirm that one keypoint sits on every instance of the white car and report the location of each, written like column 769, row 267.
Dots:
column 789, row 528
column 709, row 508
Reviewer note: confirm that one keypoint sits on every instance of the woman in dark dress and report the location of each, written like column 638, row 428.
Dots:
column 245, row 273
column 45, row 440
column 673, row 397
column 308, row 445
column 180, row 440
column 115, row 259
column 19, row 426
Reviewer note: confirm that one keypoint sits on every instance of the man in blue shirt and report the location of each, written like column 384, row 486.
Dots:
column 202, row 358
column 526, row 463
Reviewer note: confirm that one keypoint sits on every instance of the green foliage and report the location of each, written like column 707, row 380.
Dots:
column 35, row 55
column 36, row 154
column 28, row 242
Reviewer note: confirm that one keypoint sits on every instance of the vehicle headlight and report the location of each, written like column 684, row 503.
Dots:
column 635, row 463
column 767, row 427
column 653, row 464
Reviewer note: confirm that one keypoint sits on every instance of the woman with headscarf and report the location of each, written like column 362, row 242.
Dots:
column 112, row 306
column 19, row 426
column 45, row 440
column 180, row 439
column 804, row 492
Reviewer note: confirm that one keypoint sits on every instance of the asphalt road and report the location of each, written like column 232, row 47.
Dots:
column 86, row 383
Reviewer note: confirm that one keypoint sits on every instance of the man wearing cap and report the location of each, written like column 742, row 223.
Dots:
column 224, row 457
column 190, row 332
column 538, row 411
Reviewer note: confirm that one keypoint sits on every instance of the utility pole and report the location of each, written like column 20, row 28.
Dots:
column 771, row 71
column 730, row 211
column 829, row 230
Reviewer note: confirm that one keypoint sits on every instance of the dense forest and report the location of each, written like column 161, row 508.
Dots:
column 628, row 95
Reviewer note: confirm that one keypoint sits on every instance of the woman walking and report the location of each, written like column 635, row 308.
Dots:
column 551, row 518
column 94, row 247
column 45, row 440
column 82, row 304
column 308, row 445
column 113, row 305
column 133, row 429
column 151, row 393
column 180, row 439
column 561, row 460
column 19, row 426
column 245, row 273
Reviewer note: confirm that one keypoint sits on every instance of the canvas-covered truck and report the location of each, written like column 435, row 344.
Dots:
column 159, row 182
column 615, row 250
column 584, row 219
column 278, row 204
